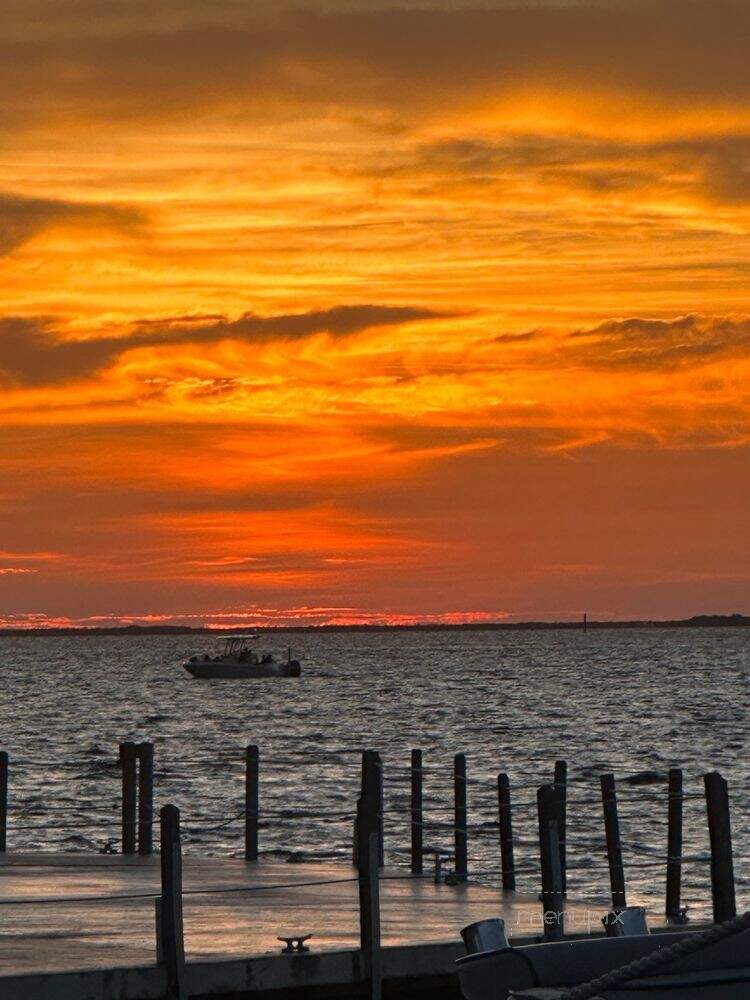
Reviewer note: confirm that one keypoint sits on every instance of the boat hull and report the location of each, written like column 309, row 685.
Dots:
column 231, row 670
column 547, row 971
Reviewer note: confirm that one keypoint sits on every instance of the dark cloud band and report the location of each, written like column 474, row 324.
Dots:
column 32, row 353
column 22, row 218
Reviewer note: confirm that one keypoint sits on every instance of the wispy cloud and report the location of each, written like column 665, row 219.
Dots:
column 653, row 344
column 22, row 218
column 32, row 352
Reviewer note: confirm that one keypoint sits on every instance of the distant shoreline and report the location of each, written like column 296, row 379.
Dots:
column 697, row 621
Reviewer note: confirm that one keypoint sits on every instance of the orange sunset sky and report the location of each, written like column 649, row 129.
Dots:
column 346, row 311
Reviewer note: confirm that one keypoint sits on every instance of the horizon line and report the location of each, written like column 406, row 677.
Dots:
column 735, row 619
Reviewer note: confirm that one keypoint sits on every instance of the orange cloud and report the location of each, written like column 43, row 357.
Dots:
column 336, row 285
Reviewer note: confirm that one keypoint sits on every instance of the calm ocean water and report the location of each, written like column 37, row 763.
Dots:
column 626, row 701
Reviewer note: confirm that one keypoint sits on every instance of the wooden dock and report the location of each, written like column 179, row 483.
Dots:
column 140, row 925
column 50, row 936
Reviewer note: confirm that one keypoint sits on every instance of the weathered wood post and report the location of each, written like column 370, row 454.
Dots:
column 252, row 801
column 417, row 815
column 459, row 815
column 170, row 911
column 720, row 833
column 561, row 788
column 370, row 793
column 3, row 801
column 368, row 862
column 437, row 876
column 381, row 811
column 128, row 763
column 506, row 832
column 553, row 900
column 614, row 846
column 145, row 798
column 674, row 845
column 158, row 921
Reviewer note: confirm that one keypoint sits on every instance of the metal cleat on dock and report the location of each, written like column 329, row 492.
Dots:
column 295, row 945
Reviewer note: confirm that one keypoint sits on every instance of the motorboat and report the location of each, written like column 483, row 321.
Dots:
column 238, row 661
column 689, row 964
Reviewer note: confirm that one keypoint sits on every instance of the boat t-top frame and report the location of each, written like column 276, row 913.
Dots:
column 236, row 645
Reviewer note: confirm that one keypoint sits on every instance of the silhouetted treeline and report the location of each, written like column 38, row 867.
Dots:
column 697, row 621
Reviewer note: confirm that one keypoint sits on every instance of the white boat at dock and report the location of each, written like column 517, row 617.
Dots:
column 237, row 661
column 703, row 964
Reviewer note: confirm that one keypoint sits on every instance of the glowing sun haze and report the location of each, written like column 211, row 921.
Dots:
column 377, row 311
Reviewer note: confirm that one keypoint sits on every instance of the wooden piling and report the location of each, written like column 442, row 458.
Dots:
column 459, row 816
column 614, row 846
column 252, row 801
column 720, row 833
column 370, row 788
column 553, row 900
column 370, row 793
column 561, row 790
column 145, row 798
column 417, row 815
column 172, row 937
column 158, row 920
column 437, row 876
column 381, row 811
column 674, row 846
column 128, row 764
column 506, row 832
column 3, row 801
column 369, row 893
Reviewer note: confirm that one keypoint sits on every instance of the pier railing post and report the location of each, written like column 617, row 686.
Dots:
column 614, row 845
column 381, row 811
column 172, row 938
column 561, row 790
column 553, row 900
column 145, row 798
column 252, row 801
column 371, row 786
column 371, row 792
column 720, row 833
column 159, row 922
column 3, row 801
column 129, row 783
column 674, row 845
column 506, row 832
column 459, row 815
column 368, row 851
column 417, row 820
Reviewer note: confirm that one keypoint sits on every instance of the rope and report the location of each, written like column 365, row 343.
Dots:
column 682, row 859
column 212, row 829
column 643, row 967
column 51, row 900
column 62, row 900
column 267, row 888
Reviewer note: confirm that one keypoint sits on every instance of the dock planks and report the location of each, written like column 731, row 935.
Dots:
column 49, row 937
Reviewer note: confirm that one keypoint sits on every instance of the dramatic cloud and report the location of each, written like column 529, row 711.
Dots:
column 661, row 344
column 32, row 353
column 714, row 169
column 225, row 59
column 537, row 218
column 22, row 218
